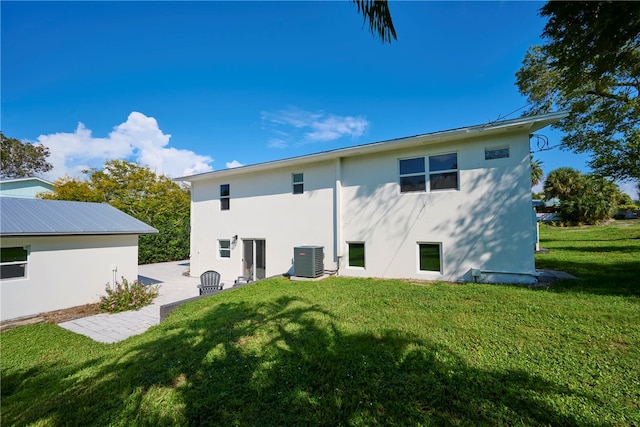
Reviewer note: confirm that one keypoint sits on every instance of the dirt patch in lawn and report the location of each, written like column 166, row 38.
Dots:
column 59, row 316
column 56, row 316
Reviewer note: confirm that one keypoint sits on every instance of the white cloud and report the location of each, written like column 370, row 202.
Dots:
column 139, row 140
column 234, row 164
column 277, row 143
column 310, row 126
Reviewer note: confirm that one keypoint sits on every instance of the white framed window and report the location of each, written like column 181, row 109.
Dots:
column 412, row 175
column 224, row 248
column 356, row 254
column 429, row 257
column 297, row 180
column 491, row 153
column 14, row 262
column 443, row 172
column 225, row 195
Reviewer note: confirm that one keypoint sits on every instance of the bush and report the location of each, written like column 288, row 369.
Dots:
column 127, row 296
column 590, row 209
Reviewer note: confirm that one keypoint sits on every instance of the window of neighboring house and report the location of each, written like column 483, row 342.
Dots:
column 224, row 197
column 443, row 172
column 224, row 248
column 429, row 257
column 496, row 153
column 412, row 175
column 356, row 255
column 298, row 183
column 13, row 262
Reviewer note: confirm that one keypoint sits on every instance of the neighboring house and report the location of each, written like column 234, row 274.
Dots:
column 452, row 205
column 24, row 187
column 59, row 254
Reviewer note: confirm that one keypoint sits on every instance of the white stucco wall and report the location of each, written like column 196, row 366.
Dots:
column 486, row 224
column 262, row 206
column 66, row 271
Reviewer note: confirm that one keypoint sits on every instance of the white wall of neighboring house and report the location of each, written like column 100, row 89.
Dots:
column 486, row 224
column 66, row 271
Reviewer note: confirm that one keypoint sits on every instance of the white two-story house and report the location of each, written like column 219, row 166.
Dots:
column 452, row 205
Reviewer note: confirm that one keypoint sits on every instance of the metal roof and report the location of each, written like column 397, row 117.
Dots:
column 528, row 124
column 36, row 217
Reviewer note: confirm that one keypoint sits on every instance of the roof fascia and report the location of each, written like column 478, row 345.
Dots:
column 523, row 124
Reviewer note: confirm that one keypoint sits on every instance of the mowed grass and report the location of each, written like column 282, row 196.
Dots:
column 358, row 352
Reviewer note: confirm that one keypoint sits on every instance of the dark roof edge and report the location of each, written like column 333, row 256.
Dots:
column 531, row 123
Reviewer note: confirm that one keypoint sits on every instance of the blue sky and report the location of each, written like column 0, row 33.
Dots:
column 187, row 87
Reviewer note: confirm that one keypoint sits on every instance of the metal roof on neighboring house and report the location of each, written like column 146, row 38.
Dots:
column 36, row 217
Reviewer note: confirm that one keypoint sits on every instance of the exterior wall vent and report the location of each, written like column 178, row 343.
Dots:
column 308, row 261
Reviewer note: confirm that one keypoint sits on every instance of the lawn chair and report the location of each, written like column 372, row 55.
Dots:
column 244, row 279
column 210, row 283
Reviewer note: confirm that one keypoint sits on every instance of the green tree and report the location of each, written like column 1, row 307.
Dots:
column 139, row 192
column 536, row 171
column 562, row 182
column 589, row 65
column 20, row 160
column 585, row 199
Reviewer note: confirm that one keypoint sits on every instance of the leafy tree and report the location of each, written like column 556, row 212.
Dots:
column 589, row 65
column 378, row 15
column 139, row 192
column 585, row 199
column 536, row 171
column 20, row 160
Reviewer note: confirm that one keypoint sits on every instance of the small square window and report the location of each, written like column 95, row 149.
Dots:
column 429, row 257
column 298, row 183
column 496, row 153
column 225, row 194
column 356, row 255
column 224, row 248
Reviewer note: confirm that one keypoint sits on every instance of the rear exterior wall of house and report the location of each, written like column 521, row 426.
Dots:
column 457, row 211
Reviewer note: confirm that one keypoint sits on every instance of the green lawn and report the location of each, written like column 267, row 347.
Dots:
column 360, row 352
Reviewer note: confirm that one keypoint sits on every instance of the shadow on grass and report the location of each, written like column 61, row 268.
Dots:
column 616, row 279
column 285, row 362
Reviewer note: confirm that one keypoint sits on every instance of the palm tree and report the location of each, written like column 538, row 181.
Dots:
column 562, row 183
column 536, row 171
column 379, row 16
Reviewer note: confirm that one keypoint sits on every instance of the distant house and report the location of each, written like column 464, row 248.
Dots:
column 24, row 187
column 58, row 254
column 452, row 205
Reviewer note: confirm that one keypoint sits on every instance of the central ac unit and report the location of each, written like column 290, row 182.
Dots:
column 308, row 261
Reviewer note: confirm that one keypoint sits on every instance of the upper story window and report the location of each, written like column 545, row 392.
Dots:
column 224, row 197
column 13, row 262
column 298, row 183
column 412, row 175
column 496, row 153
column 443, row 172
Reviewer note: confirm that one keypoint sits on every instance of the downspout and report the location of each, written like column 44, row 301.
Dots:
column 337, row 214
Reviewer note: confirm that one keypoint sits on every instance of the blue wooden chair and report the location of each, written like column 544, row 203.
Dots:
column 210, row 283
